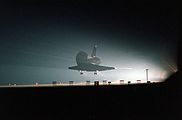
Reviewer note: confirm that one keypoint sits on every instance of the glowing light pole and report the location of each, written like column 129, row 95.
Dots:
column 147, row 74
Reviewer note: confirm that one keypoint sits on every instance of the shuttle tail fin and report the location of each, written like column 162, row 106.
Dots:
column 94, row 51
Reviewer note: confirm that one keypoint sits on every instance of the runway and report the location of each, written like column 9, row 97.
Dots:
column 81, row 84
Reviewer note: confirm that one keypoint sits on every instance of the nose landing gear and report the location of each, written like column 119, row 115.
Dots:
column 95, row 73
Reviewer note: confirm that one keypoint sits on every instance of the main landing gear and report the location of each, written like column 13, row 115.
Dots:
column 81, row 72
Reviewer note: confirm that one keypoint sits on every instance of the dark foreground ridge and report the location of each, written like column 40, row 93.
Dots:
column 144, row 101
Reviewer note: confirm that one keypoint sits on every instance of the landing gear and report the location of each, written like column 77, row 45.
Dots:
column 81, row 72
column 95, row 73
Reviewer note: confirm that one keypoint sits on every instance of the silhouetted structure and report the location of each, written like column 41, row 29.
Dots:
column 96, row 83
column 138, row 81
column 121, row 81
column 147, row 74
column 109, row 83
column 71, row 82
column 104, row 82
column 87, row 82
column 54, row 82
column 148, row 82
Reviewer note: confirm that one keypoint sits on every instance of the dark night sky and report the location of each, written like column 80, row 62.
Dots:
column 40, row 39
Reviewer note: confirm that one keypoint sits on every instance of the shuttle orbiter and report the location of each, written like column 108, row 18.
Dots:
column 86, row 63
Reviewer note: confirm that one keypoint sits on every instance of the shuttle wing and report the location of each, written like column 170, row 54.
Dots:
column 91, row 67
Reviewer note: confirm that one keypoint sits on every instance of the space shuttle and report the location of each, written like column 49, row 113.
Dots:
column 89, row 63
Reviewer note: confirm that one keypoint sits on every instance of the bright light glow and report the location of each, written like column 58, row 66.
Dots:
column 137, row 75
column 133, row 73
